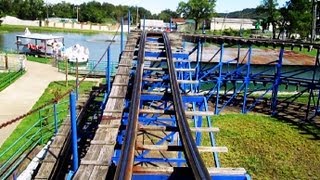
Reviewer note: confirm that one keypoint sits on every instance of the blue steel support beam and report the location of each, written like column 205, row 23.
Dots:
column 211, row 135
column 313, row 88
column 198, row 62
column 247, row 80
column 277, row 82
column 74, row 136
column 219, row 79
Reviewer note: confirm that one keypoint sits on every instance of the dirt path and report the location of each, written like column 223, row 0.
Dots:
column 19, row 97
column 259, row 56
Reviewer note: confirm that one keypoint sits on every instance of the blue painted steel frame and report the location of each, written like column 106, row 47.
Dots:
column 198, row 103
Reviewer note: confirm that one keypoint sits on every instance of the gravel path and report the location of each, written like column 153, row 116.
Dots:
column 19, row 97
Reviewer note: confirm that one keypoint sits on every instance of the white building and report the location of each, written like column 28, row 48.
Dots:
column 152, row 24
column 232, row 23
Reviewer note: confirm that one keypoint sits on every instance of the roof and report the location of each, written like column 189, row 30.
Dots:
column 40, row 36
column 178, row 20
column 233, row 20
column 152, row 23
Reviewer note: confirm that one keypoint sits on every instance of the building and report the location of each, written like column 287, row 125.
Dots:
column 232, row 23
column 152, row 24
column 183, row 25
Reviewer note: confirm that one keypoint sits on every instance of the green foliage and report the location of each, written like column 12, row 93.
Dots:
column 266, row 147
column 54, row 89
column 39, row 59
column 245, row 13
column 23, row 9
column 300, row 17
column 92, row 11
column 167, row 14
column 8, row 78
column 197, row 9
column 269, row 10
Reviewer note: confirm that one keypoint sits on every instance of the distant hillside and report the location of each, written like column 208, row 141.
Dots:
column 246, row 13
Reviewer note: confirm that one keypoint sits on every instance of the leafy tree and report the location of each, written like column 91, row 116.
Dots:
column 268, row 8
column 300, row 17
column 167, row 14
column 197, row 9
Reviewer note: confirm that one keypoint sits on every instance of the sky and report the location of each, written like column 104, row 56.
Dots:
column 156, row 6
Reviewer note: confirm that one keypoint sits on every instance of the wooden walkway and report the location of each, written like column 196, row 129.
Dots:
column 59, row 148
column 96, row 162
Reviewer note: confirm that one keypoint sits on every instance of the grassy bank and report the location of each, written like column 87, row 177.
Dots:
column 55, row 89
column 15, row 28
column 8, row 78
column 266, row 147
column 39, row 59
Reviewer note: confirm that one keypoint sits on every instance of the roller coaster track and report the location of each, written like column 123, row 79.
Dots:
column 194, row 160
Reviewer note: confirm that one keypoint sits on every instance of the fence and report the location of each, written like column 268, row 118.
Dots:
column 100, row 70
column 49, row 119
column 9, row 78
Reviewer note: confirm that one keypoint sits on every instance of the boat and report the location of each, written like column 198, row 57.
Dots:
column 38, row 44
column 50, row 46
column 76, row 54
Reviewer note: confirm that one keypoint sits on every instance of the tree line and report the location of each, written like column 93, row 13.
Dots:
column 294, row 17
column 93, row 11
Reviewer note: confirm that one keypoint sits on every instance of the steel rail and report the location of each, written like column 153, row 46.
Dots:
column 250, row 41
column 190, row 148
column 125, row 166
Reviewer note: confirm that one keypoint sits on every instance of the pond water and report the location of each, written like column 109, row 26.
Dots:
column 96, row 43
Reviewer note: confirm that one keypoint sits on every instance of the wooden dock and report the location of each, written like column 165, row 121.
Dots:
column 59, row 148
column 95, row 164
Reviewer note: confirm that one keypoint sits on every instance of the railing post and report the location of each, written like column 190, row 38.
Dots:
column 129, row 21
column 55, row 116
column 108, row 75
column 122, row 36
column 144, row 23
column 74, row 137
column 170, row 26
column 203, row 27
column 41, row 126
column 77, row 79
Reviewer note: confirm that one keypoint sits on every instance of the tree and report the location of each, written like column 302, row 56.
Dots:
column 269, row 9
column 197, row 9
column 167, row 14
column 300, row 17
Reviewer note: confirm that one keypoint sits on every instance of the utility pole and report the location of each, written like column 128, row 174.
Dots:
column 314, row 20
column 137, row 15
column 77, row 13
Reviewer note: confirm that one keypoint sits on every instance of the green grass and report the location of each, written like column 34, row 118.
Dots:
column 15, row 28
column 266, row 147
column 55, row 89
column 39, row 59
column 6, row 79
column 304, row 51
column 304, row 98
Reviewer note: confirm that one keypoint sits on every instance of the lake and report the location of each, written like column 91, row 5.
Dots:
column 96, row 43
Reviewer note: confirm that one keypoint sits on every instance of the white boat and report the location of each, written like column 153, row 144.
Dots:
column 76, row 53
